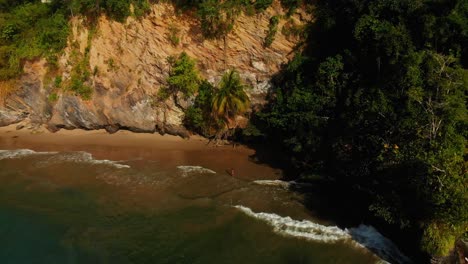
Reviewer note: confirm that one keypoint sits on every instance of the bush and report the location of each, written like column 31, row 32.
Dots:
column 193, row 119
column 261, row 5
column 117, row 9
column 78, row 86
column 271, row 33
column 183, row 76
column 53, row 97
column 141, row 7
column 198, row 117
column 217, row 19
column 290, row 5
column 438, row 239
column 29, row 31
column 173, row 34
column 58, row 82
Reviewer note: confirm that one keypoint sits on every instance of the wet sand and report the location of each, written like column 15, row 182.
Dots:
column 125, row 145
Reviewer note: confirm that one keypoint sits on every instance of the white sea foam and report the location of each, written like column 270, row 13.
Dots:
column 186, row 170
column 278, row 183
column 283, row 184
column 303, row 229
column 20, row 153
column 79, row 157
column 362, row 236
column 85, row 157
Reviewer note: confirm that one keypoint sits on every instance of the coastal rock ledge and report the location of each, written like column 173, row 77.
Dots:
column 128, row 65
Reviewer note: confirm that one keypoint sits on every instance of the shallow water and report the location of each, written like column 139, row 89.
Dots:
column 68, row 207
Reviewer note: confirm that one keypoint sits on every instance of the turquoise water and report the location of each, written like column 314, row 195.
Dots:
column 71, row 208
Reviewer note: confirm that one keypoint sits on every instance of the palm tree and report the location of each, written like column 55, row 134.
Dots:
column 230, row 100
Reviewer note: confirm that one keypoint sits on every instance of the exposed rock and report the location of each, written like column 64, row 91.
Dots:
column 260, row 66
column 111, row 129
column 9, row 117
column 52, row 128
column 129, row 65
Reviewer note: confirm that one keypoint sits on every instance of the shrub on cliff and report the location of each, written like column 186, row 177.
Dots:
column 183, row 76
column 217, row 18
column 271, row 33
column 28, row 31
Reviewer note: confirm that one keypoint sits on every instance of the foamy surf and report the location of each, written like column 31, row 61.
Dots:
column 78, row 157
column 277, row 183
column 282, row 184
column 20, row 153
column 186, row 170
column 303, row 229
column 85, row 157
column 362, row 236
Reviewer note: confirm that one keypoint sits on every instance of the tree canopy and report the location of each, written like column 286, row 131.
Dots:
column 378, row 101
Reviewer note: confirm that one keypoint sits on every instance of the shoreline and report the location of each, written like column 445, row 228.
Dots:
column 126, row 145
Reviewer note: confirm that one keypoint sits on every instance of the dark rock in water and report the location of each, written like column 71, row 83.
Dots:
column 111, row 129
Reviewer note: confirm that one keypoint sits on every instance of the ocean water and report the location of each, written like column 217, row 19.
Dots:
column 68, row 207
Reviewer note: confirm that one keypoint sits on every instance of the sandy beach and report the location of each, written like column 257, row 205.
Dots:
column 126, row 145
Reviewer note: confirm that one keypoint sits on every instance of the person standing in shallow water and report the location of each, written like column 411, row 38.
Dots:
column 232, row 172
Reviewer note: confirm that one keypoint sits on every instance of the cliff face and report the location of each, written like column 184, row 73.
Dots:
column 128, row 65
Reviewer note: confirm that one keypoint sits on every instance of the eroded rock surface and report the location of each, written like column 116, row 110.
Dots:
column 129, row 65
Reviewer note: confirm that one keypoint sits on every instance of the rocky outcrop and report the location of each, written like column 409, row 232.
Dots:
column 129, row 65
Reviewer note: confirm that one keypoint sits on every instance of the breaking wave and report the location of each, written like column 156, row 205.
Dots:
column 20, row 153
column 362, row 236
column 283, row 184
column 186, row 170
column 78, row 157
column 303, row 229
column 85, row 157
column 277, row 183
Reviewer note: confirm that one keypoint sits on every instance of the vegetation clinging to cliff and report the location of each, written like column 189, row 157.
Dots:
column 28, row 31
column 183, row 76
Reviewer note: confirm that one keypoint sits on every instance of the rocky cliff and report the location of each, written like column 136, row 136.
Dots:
column 128, row 65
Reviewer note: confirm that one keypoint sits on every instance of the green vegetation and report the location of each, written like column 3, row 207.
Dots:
column 183, row 76
column 173, row 35
column 217, row 18
column 271, row 33
column 198, row 117
column 291, row 30
column 379, row 103
column 230, row 100
column 53, row 97
column 261, row 5
column 29, row 31
column 118, row 10
column 291, row 5
column 215, row 109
